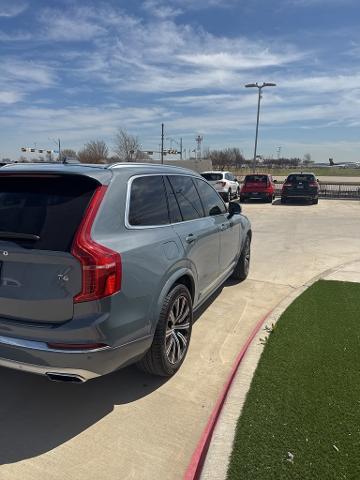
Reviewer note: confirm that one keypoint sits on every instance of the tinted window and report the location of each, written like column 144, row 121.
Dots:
column 256, row 179
column 211, row 201
column 174, row 209
column 187, row 197
column 212, row 177
column 300, row 178
column 148, row 205
column 49, row 208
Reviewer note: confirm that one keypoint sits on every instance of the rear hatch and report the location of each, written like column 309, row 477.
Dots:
column 215, row 179
column 39, row 216
column 256, row 183
column 301, row 184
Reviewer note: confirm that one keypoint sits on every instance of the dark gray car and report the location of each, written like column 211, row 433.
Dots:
column 103, row 266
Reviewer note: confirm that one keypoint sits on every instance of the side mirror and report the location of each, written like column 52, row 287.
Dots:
column 275, row 181
column 234, row 209
column 236, row 180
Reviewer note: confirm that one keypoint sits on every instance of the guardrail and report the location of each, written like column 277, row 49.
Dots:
column 332, row 190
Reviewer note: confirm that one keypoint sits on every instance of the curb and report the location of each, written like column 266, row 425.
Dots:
column 194, row 469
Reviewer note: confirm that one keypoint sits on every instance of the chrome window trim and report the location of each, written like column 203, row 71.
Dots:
column 146, row 227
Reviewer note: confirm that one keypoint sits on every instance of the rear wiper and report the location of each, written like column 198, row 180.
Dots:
column 19, row 236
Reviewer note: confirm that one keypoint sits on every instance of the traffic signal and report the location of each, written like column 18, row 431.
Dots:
column 23, row 149
column 32, row 150
column 41, row 150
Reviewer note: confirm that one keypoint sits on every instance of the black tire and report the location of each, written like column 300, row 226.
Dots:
column 229, row 195
column 269, row 199
column 315, row 201
column 241, row 270
column 283, row 200
column 157, row 359
column 242, row 199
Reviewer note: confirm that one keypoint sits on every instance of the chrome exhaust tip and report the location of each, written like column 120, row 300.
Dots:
column 64, row 377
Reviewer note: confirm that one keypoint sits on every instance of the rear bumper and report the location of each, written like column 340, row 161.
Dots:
column 300, row 195
column 34, row 357
column 256, row 195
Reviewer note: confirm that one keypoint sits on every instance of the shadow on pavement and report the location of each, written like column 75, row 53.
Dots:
column 37, row 415
column 290, row 203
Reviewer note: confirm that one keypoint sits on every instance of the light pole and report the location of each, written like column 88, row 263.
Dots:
column 259, row 87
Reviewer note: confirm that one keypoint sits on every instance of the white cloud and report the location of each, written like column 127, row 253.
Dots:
column 12, row 9
column 9, row 97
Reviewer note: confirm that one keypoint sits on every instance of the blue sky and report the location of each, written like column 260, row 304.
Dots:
column 80, row 70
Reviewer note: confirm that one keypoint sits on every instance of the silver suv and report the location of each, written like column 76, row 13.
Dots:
column 103, row 266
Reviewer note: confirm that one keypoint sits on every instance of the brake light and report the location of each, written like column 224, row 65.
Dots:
column 221, row 184
column 313, row 184
column 101, row 266
column 287, row 184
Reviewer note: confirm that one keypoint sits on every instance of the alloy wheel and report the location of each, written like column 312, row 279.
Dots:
column 178, row 330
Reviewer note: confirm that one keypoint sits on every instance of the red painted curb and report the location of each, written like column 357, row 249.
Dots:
column 197, row 460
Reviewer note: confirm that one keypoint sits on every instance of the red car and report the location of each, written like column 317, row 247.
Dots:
column 258, row 187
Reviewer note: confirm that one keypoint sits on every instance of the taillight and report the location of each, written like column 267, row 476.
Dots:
column 313, row 184
column 287, row 184
column 101, row 266
column 221, row 184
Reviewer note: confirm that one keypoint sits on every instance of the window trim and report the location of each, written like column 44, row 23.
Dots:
column 162, row 174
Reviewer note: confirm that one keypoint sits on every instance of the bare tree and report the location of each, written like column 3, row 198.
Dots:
column 95, row 151
column 127, row 147
column 307, row 160
column 67, row 153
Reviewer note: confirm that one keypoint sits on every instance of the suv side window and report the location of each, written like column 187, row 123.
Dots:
column 187, row 197
column 227, row 176
column 174, row 209
column 148, row 205
column 213, row 205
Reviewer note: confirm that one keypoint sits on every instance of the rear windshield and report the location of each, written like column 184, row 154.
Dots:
column 48, row 209
column 212, row 177
column 300, row 178
column 256, row 179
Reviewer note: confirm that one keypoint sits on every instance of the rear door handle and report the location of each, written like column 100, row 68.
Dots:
column 191, row 238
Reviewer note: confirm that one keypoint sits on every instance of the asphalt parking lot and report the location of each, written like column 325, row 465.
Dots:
column 132, row 426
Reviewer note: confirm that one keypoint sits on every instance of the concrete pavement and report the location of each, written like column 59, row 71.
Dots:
column 132, row 426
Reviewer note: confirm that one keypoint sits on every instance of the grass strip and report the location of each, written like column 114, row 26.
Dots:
column 301, row 418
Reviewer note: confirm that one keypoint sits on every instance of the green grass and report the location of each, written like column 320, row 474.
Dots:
column 305, row 395
column 328, row 172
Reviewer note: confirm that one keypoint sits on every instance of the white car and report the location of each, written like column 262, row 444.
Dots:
column 224, row 183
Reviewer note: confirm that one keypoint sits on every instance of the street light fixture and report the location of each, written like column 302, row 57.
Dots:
column 259, row 87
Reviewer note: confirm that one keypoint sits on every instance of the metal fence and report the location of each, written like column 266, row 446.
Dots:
column 333, row 190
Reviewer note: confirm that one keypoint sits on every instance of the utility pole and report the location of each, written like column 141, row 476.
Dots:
column 181, row 149
column 59, row 150
column 162, row 143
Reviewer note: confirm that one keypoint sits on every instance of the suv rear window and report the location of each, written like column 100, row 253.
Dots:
column 256, row 179
column 49, row 208
column 212, row 177
column 300, row 178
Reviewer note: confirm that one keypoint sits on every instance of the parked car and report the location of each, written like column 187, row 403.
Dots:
column 224, row 183
column 258, row 187
column 103, row 266
column 300, row 186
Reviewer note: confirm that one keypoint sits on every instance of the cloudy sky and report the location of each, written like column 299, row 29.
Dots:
column 80, row 70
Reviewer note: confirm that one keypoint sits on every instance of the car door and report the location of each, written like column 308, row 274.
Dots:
column 199, row 235
column 230, row 233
